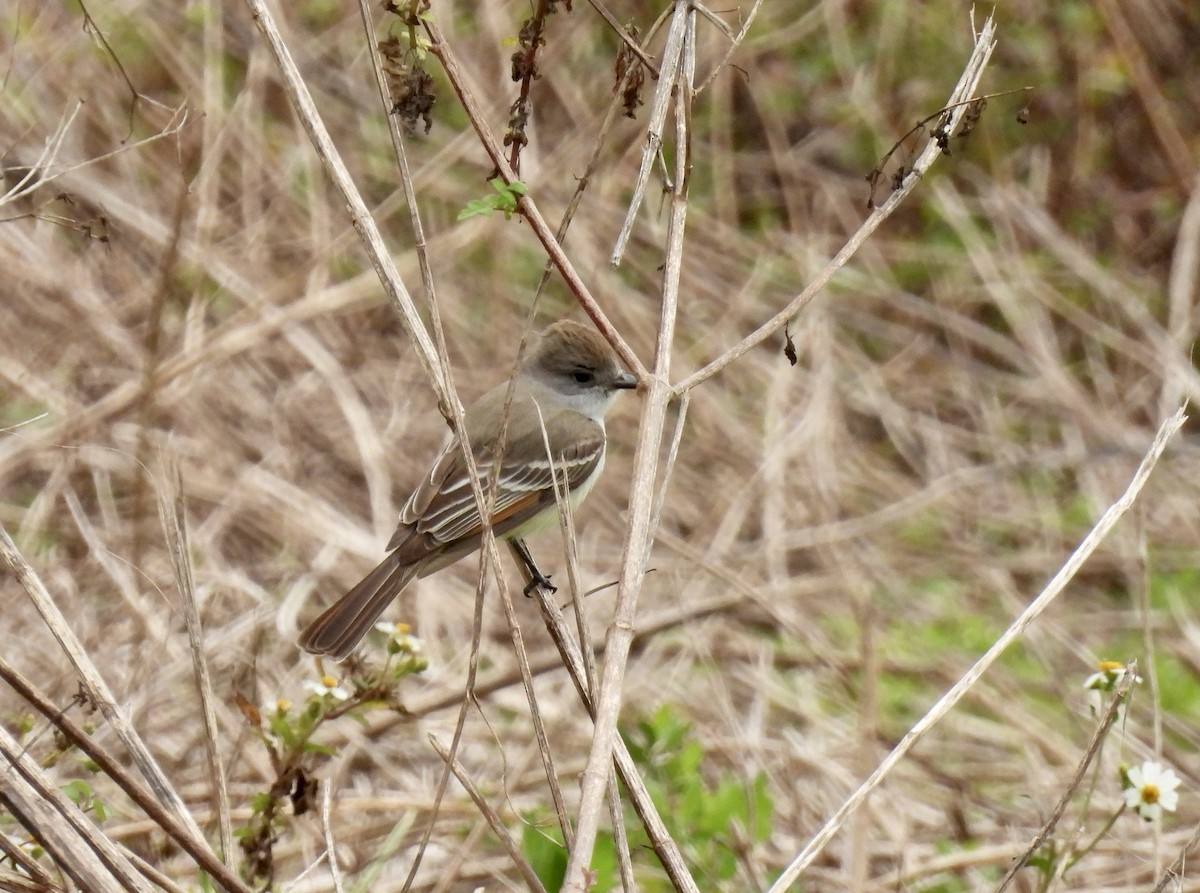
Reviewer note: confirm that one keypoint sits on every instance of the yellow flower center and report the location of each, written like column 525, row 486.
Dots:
column 329, row 682
column 1111, row 666
column 1149, row 793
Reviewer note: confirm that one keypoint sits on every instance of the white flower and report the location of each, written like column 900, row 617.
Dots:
column 328, row 687
column 400, row 635
column 411, row 644
column 1106, row 681
column 1152, row 789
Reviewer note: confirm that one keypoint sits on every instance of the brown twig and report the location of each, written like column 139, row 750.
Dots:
column 493, row 819
column 1094, row 745
column 189, row 841
column 965, row 88
column 90, row 25
column 93, row 682
column 527, row 207
column 628, row 39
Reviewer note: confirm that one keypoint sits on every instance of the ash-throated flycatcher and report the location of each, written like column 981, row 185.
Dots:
column 561, row 393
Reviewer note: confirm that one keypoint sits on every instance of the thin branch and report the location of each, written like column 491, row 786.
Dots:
column 535, row 715
column 40, row 173
column 646, row 463
column 634, row 46
column 172, row 510
column 965, row 89
column 1106, row 721
column 941, row 134
column 526, row 205
column 360, row 216
column 654, row 129
column 550, row 661
column 497, row 825
column 948, row 701
column 78, row 846
column 89, row 24
column 571, row 657
column 734, row 43
column 1175, row 873
column 194, row 844
column 34, row 175
column 611, row 115
column 434, row 364
column 580, row 664
column 93, row 682
column 330, row 843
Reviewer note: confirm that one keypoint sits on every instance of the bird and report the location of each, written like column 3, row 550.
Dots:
column 555, row 425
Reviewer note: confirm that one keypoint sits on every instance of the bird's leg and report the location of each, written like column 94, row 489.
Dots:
column 536, row 579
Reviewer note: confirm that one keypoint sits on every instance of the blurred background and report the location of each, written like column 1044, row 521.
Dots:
column 841, row 538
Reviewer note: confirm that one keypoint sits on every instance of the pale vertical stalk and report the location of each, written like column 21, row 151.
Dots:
column 327, row 833
column 566, row 519
column 171, row 510
column 641, row 502
column 435, row 365
column 360, row 216
column 656, row 830
column 420, row 246
column 654, row 129
column 206, row 185
column 535, row 714
column 420, row 243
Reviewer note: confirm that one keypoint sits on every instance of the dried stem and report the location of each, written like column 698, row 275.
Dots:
column 654, row 130
column 1119, row 697
column 527, row 207
column 171, row 510
column 93, row 683
column 967, row 84
column 947, row 702
column 194, row 844
column 645, row 469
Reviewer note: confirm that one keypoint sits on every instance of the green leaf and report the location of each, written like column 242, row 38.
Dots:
column 505, row 200
column 546, row 856
column 281, row 727
column 77, row 791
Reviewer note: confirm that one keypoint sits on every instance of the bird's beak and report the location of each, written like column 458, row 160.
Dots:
column 625, row 382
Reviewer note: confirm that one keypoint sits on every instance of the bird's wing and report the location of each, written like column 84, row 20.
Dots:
column 443, row 510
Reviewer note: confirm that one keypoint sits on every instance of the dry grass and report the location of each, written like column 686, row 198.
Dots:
column 840, row 539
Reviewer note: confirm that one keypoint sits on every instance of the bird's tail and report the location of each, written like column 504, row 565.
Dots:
column 337, row 631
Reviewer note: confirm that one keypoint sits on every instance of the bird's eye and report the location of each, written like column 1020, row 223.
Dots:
column 583, row 376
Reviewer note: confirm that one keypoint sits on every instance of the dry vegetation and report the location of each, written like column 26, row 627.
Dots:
column 840, row 539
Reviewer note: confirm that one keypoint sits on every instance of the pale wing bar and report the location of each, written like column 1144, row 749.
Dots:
column 460, row 517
